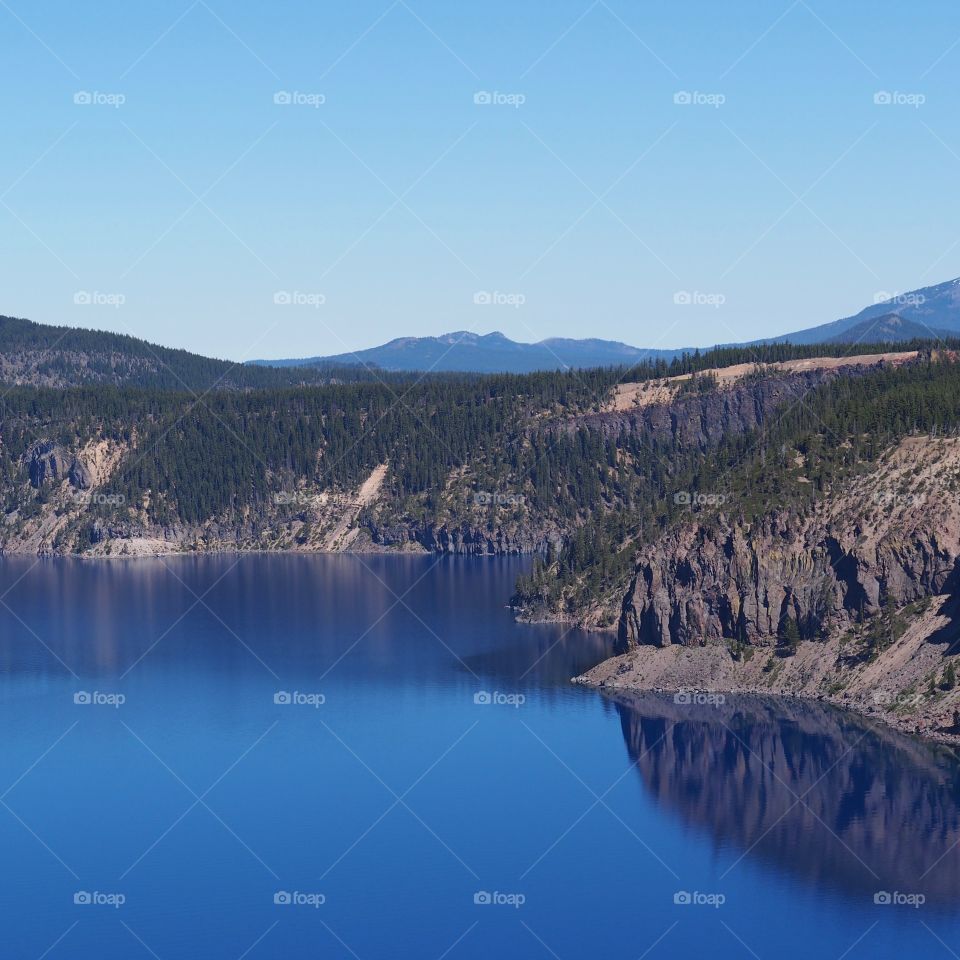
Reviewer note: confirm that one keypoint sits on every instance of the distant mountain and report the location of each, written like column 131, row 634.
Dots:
column 490, row 353
column 58, row 356
column 46, row 356
column 930, row 312
column 890, row 328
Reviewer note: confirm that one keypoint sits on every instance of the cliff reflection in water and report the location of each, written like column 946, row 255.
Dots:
column 824, row 795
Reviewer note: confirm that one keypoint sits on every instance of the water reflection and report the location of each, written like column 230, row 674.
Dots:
column 822, row 794
column 390, row 619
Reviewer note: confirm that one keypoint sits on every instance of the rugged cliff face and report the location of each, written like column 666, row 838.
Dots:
column 856, row 600
column 893, row 534
column 702, row 420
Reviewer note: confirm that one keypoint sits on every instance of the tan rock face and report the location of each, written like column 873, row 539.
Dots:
column 893, row 533
column 631, row 396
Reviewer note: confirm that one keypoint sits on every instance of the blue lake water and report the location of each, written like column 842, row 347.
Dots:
column 378, row 816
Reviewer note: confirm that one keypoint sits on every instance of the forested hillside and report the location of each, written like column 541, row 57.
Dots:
column 545, row 463
column 41, row 355
column 832, row 433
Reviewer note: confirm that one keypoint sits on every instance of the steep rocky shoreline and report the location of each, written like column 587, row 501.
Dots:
column 893, row 689
column 856, row 602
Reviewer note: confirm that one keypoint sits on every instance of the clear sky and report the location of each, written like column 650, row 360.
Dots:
column 148, row 169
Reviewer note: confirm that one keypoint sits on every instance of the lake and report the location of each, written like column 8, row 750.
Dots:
column 365, row 757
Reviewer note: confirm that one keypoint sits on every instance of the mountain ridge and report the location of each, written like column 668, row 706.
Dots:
column 926, row 313
column 462, row 351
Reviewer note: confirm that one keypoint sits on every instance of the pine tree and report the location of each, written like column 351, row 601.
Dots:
column 789, row 641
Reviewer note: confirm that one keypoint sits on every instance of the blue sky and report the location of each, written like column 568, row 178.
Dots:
column 188, row 207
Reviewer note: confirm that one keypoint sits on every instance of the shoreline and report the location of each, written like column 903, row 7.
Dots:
column 942, row 737
column 889, row 690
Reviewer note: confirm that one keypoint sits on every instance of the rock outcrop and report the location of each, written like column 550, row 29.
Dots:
column 892, row 535
column 48, row 463
column 80, row 475
column 702, row 420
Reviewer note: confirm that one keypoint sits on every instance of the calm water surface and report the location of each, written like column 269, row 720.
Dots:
column 200, row 800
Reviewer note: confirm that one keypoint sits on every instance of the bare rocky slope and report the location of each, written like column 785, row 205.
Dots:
column 869, row 581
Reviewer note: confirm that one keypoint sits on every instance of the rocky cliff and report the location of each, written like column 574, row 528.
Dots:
column 892, row 535
column 855, row 601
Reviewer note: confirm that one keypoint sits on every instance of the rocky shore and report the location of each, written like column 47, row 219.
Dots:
column 906, row 685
